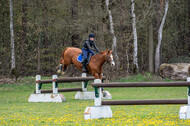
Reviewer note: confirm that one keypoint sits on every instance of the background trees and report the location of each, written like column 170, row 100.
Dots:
column 43, row 28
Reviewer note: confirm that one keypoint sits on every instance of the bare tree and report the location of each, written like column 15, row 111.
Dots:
column 151, row 46
column 12, row 36
column 151, row 49
column 38, row 50
column 114, row 45
column 135, row 58
column 45, row 22
column 23, row 37
column 74, row 15
column 189, row 25
column 157, row 53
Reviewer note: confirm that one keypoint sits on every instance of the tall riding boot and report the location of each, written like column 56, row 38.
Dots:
column 84, row 66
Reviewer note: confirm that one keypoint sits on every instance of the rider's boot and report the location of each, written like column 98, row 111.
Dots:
column 84, row 66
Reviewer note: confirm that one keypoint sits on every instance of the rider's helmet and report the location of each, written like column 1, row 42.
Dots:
column 91, row 35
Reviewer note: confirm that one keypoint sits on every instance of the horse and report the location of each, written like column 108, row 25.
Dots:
column 95, row 65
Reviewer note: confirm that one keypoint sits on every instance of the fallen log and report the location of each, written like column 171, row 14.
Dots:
column 175, row 71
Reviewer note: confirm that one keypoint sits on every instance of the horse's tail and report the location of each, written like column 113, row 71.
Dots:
column 62, row 55
column 61, row 62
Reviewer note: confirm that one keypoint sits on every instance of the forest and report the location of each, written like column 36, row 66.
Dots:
column 142, row 34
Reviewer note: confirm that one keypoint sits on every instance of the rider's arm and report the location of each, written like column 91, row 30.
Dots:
column 96, row 49
column 89, row 47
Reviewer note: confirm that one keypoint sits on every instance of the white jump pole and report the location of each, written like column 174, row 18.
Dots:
column 188, row 92
column 55, row 86
column 83, row 83
column 98, row 94
column 38, row 78
column 184, row 112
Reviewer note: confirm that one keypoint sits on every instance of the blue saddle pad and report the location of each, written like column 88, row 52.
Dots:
column 79, row 58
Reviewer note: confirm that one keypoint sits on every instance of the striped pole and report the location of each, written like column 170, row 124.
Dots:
column 38, row 85
column 98, row 94
column 55, row 84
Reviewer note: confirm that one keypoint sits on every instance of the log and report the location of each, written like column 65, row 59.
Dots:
column 60, row 90
column 69, row 79
column 142, row 84
column 146, row 102
column 175, row 71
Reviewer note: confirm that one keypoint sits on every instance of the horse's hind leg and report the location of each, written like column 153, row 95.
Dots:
column 65, row 67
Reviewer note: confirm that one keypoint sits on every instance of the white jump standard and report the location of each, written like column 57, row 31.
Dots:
column 87, row 95
column 97, row 111
column 50, row 97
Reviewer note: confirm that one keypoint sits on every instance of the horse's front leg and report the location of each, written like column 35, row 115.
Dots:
column 100, row 74
column 96, row 76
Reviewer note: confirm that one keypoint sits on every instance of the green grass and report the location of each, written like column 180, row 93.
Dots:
column 15, row 109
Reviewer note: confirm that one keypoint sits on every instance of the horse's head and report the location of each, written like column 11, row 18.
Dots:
column 60, row 66
column 109, row 58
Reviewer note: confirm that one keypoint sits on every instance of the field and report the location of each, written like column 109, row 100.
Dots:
column 15, row 109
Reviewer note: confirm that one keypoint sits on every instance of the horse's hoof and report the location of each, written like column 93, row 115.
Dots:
column 104, row 94
column 59, row 71
column 62, row 73
column 84, row 70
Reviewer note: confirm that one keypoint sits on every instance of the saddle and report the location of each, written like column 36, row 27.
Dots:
column 80, row 57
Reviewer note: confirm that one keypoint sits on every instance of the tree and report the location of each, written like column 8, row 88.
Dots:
column 157, row 53
column 12, row 36
column 151, row 46
column 135, row 52
column 114, row 45
column 45, row 23
column 74, row 15
column 38, row 50
column 189, row 25
column 23, row 37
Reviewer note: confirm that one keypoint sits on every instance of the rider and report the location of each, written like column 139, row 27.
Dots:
column 88, row 47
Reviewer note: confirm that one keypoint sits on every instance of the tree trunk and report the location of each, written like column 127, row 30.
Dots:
column 39, row 43
column 157, row 53
column 12, row 36
column 75, row 36
column 23, row 41
column 127, row 61
column 151, row 49
column 24, row 12
column 189, row 25
column 45, row 22
column 135, row 53
column 114, row 45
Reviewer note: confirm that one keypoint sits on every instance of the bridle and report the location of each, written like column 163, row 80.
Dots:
column 107, row 58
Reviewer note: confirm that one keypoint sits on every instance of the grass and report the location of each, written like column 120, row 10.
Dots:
column 15, row 109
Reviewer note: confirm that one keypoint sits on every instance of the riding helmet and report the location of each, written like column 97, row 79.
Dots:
column 91, row 35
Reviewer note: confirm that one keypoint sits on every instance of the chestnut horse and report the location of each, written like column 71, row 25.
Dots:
column 70, row 54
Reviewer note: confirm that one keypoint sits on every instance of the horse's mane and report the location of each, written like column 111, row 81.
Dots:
column 98, row 56
column 104, row 51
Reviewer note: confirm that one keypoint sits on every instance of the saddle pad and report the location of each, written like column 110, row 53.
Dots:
column 79, row 58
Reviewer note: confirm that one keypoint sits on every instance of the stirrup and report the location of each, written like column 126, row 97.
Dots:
column 84, row 69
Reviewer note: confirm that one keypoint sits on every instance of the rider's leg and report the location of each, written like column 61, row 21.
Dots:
column 84, row 66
